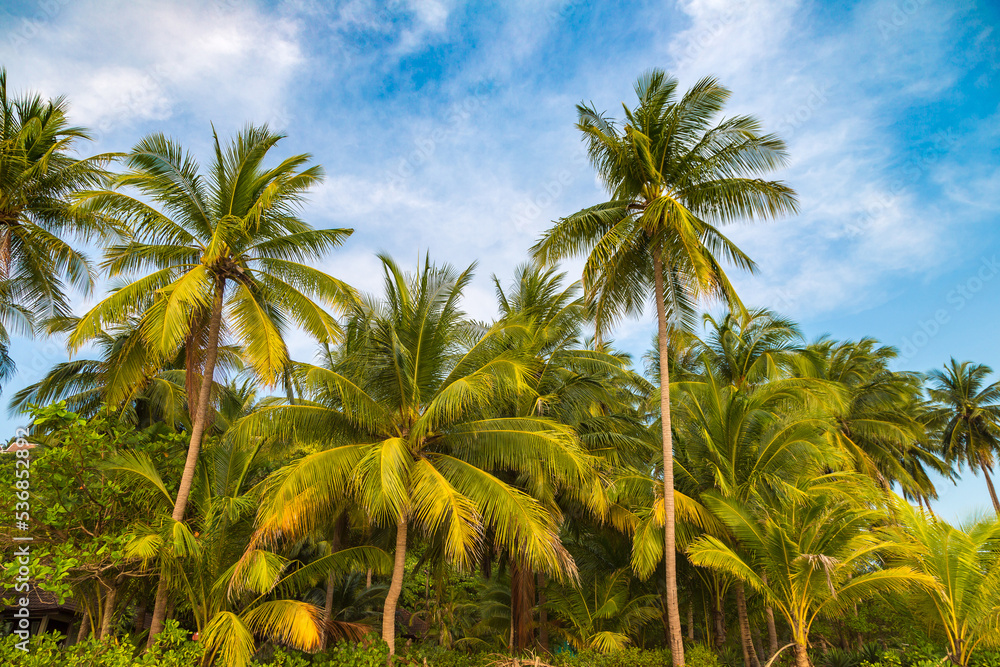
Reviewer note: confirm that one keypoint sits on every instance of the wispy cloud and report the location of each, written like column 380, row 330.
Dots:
column 126, row 64
column 447, row 127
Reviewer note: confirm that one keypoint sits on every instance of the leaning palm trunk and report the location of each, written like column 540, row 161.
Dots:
column 191, row 463
column 749, row 651
column 669, row 539
column 109, row 612
column 989, row 485
column 84, row 628
column 395, row 588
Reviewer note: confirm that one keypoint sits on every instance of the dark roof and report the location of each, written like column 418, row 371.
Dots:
column 42, row 601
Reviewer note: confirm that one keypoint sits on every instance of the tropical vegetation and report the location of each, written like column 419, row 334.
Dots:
column 432, row 489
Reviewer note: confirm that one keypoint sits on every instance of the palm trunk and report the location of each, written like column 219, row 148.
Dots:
column 543, row 615
column 84, row 627
column 772, row 632
column 139, row 624
column 395, row 587
column 328, row 610
column 287, row 377
column 338, row 527
column 719, row 616
column 989, row 485
column 522, row 597
column 749, row 652
column 159, row 612
column 197, row 430
column 690, row 627
column 109, row 612
column 801, row 655
column 757, row 644
column 669, row 539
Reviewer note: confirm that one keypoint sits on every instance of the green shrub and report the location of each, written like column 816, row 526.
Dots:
column 346, row 654
column 982, row 658
column 172, row 649
column 440, row 657
column 699, row 655
column 629, row 657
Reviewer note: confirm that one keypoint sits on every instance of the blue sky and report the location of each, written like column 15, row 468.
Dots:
column 448, row 127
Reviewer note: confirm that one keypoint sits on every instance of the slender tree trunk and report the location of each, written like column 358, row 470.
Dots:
column 801, row 654
column 328, row 609
column 772, row 632
column 197, row 430
column 669, row 538
column 720, row 624
column 749, row 652
column 758, row 643
column 159, row 612
column 109, row 612
column 84, row 627
column 709, row 625
column 989, row 485
column 543, row 615
column 522, row 597
column 691, row 620
column 331, row 579
column 395, row 587
column 140, row 617
column 287, row 377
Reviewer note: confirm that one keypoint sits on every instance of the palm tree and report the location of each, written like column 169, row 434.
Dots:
column 38, row 175
column 749, row 347
column 672, row 176
column 747, row 444
column 963, row 563
column 410, row 434
column 236, row 589
column 225, row 253
column 967, row 414
column 126, row 379
column 588, row 389
column 879, row 419
column 603, row 613
column 808, row 554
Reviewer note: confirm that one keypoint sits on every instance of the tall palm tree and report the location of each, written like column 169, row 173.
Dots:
column 747, row 446
column 38, row 175
column 410, row 434
column 967, row 414
column 225, row 252
column 673, row 176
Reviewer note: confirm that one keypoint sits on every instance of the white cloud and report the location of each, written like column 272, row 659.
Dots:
column 131, row 62
column 833, row 98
